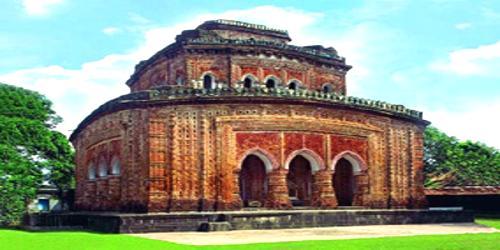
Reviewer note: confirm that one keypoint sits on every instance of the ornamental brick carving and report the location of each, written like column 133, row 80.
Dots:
column 182, row 136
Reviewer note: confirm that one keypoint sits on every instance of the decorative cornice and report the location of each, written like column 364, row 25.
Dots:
column 248, row 25
column 180, row 95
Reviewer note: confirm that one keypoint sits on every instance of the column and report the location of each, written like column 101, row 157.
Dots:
column 323, row 195
column 277, row 196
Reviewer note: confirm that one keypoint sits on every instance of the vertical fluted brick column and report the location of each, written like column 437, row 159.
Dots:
column 361, row 188
column 417, row 188
column 277, row 195
column 323, row 195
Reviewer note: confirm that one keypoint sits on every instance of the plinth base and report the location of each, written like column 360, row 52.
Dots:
column 243, row 220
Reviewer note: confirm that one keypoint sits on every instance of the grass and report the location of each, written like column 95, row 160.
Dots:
column 16, row 239
column 490, row 220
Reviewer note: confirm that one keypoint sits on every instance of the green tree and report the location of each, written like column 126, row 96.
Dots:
column 28, row 146
column 450, row 162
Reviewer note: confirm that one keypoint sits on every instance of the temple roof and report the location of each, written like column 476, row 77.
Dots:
column 228, row 35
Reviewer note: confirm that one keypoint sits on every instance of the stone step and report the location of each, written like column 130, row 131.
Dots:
column 215, row 226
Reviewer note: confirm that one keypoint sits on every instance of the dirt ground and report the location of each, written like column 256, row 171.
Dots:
column 319, row 233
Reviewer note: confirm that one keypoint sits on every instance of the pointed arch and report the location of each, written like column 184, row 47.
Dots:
column 272, row 81
column 208, row 80
column 115, row 165
column 314, row 159
column 327, row 88
column 358, row 164
column 294, row 84
column 249, row 80
column 91, row 171
column 103, row 167
column 269, row 161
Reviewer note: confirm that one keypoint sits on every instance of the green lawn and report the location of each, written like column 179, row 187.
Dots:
column 15, row 239
column 490, row 221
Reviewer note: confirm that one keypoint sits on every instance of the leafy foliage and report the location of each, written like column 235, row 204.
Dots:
column 28, row 148
column 450, row 162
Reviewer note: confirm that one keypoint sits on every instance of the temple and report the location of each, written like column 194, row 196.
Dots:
column 230, row 116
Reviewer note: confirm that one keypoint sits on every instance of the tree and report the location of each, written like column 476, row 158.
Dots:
column 29, row 147
column 450, row 162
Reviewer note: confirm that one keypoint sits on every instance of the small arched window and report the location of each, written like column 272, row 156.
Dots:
column 103, row 168
column 247, row 82
column 271, row 83
column 294, row 85
column 115, row 166
column 179, row 81
column 91, row 171
column 327, row 88
column 208, row 81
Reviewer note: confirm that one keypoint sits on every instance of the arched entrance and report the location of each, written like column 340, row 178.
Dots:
column 299, row 180
column 343, row 182
column 253, row 186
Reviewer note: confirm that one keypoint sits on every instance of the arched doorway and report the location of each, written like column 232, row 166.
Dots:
column 253, row 186
column 299, row 180
column 208, row 81
column 343, row 182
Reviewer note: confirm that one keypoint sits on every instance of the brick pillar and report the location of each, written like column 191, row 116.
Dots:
column 88, row 201
column 277, row 196
column 229, row 193
column 114, row 192
column 100, row 202
column 361, row 188
column 323, row 195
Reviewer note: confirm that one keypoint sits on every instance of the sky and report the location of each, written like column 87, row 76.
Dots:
column 441, row 57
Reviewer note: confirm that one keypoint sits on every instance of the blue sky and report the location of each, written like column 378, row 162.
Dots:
column 438, row 56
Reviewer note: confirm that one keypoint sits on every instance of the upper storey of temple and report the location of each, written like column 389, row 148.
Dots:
column 224, row 53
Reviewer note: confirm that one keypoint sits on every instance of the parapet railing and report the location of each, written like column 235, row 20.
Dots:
column 248, row 25
column 171, row 93
column 180, row 93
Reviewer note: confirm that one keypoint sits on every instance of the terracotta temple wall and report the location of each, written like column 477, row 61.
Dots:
column 188, row 157
column 231, row 69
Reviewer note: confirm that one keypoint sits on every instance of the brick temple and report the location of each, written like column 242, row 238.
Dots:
column 230, row 116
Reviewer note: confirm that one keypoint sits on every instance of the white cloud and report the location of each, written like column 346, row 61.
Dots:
column 476, row 122
column 76, row 92
column 481, row 61
column 462, row 26
column 40, row 7
column 110, row 30
column 359, row 46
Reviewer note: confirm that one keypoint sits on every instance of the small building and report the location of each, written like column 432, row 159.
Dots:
column 46, row 200
column 232, row 115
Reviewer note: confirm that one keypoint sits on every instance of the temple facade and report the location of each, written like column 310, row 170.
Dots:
column 230, row 116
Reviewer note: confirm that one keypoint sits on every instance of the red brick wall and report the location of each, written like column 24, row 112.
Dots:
column 180, row 158
column 340, row 144
column 269, row 142
column 230, row 70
